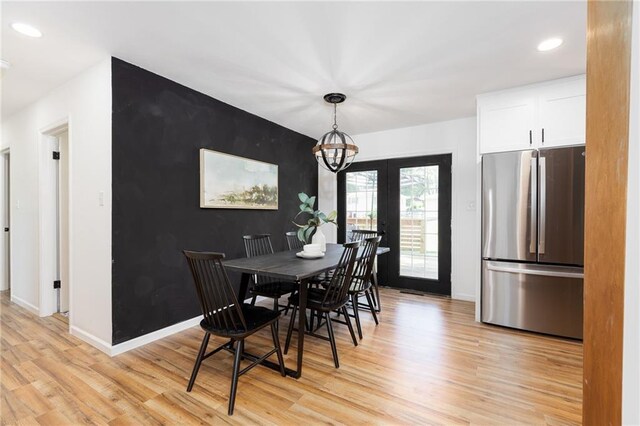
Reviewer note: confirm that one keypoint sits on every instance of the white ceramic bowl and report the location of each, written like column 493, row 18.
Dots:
column 311, row 248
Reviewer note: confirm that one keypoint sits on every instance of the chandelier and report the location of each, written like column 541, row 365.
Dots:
column 335, row 150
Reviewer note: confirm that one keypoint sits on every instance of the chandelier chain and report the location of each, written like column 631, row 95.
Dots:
column 335, row 116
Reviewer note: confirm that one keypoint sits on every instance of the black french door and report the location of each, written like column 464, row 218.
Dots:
column 407, row 200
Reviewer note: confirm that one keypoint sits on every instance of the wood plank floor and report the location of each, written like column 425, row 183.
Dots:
column 427, row 362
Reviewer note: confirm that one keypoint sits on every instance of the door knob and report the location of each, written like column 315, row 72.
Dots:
column 6, row 229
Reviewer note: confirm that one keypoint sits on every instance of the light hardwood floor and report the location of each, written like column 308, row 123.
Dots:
column 427, row 362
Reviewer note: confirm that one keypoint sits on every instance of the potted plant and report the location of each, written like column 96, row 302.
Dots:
column 310, row 231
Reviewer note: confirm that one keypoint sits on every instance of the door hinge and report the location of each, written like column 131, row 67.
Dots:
column 56, row 284
column 56, row 155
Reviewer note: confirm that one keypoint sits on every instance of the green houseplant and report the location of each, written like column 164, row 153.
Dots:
column 307, row 230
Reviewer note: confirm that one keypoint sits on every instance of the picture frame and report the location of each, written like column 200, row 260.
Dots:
column 232, row 182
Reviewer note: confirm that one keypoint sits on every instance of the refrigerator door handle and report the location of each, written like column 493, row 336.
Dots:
column 534, row 206
column 543, row 204
column 547, row 273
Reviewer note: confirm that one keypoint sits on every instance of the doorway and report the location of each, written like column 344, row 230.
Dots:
column 55, row 280
column 5, row 214
column 408, row 201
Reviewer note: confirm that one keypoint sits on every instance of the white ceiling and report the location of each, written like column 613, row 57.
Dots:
column 400, row 64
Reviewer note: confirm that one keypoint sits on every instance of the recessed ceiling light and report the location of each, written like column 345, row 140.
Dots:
column 26, row 29
column 549, row 44
column 5, row 65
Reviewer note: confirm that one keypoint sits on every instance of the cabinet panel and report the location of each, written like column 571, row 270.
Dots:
column 505, row 123
column 562, row 112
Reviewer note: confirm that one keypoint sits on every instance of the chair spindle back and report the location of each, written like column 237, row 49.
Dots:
column 336, row 291
column 361, row 234
column 218, row 301
column 257, row 245
column 293, row 242
column 364, row 266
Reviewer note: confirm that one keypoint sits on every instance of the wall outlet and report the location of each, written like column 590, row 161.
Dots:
column 101, row 198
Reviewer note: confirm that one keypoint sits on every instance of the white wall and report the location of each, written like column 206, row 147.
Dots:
column 85, row 102
column 631, row 334
column 457, row 137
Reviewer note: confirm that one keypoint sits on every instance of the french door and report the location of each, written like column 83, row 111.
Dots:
column 408, row 201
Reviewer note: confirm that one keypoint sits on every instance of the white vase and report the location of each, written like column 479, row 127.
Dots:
column 319, row 238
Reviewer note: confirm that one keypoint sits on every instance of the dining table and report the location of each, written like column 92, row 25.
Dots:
column 287, row 266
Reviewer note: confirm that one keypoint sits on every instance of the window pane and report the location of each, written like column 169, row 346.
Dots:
column 362, row 201
column 419, row 222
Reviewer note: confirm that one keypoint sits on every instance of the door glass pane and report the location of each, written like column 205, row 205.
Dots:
column 362, row 201
column 419, row 222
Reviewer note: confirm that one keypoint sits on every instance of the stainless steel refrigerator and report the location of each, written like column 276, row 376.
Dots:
column 533, row 240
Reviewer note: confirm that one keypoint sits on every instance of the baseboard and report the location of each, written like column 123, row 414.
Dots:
column 91, row 339
column 153, row 336
column 26, row 305
column 465, row 297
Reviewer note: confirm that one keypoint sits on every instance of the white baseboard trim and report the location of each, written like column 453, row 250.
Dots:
column 91, row 339
column 465, row 297
column 153, row 336
column 26, row 305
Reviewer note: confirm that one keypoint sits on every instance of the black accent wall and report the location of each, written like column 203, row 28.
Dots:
column 159, row 127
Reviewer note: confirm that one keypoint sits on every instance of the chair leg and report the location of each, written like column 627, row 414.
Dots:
column 234, row 376
column 275, row 308
column 290, row 331
column 311, row 319
column 253, row 300
column 276, row 344
column 196, row 366
column 378, row 302
column 348, row 320
column 371, row 307
column 332, row 340
column 356, row 313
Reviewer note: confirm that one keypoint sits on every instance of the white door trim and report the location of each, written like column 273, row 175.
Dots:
column 47, row 227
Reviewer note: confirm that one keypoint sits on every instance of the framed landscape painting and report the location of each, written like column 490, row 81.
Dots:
column 231, row 182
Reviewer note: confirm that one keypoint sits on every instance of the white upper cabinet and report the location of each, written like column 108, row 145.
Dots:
column 562, row 113
column 507, row 122
column 542, row 115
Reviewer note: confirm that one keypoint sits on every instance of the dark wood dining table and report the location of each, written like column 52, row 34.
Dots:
column 287, row 266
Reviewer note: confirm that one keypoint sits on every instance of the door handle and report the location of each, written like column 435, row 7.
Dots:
column 534, row 206
column 6, row 229
column 543, row 204
column 545, row 273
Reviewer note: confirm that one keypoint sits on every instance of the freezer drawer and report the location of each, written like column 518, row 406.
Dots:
column 545, row 299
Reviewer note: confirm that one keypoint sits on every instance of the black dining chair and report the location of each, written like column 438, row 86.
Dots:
column 332, row 297
column 293, row 242
column 361, row 234
column 224, row 316
column 259, row 245
column 361, row 280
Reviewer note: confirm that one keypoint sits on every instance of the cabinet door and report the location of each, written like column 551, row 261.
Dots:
column 506, row 121
column 562, row 112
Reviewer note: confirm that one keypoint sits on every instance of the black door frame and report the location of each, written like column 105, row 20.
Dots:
column 443, row 284
column 388, row 218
